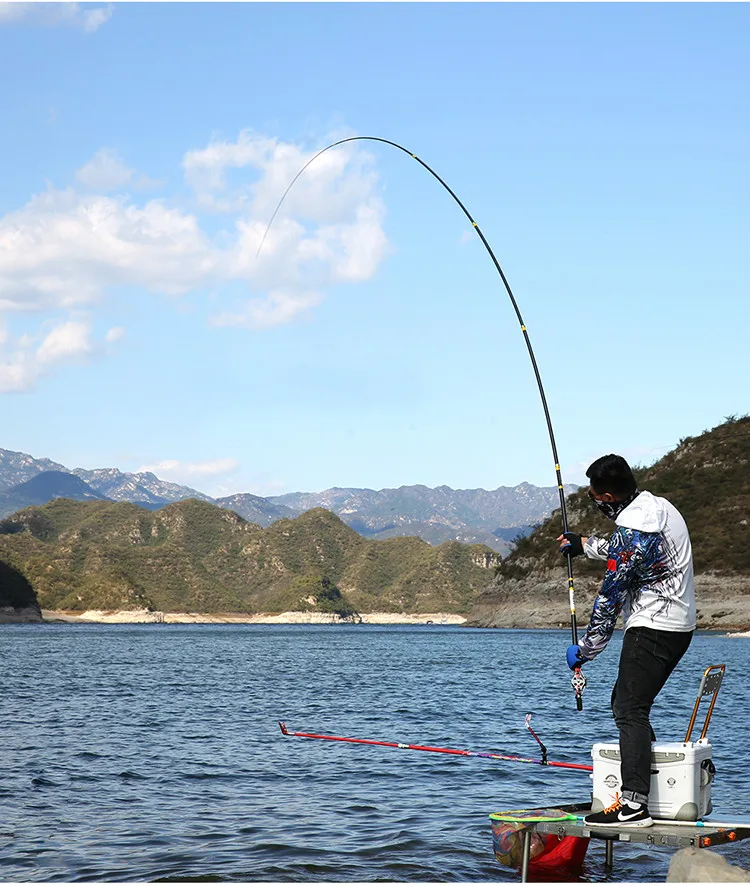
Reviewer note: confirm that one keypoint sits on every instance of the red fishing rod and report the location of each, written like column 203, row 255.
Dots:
column 421, row 747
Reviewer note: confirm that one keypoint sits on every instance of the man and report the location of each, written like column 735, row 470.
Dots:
column 650, row 578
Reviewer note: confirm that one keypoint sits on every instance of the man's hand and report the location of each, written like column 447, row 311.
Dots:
column 571, row 543
column 575, row 657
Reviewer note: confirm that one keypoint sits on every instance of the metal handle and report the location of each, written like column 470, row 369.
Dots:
column 710, row 685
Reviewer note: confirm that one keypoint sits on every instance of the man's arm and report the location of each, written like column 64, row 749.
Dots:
column 596, row 548
column 625, row 551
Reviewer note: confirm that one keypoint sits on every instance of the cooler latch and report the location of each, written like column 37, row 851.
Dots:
column 708, row 771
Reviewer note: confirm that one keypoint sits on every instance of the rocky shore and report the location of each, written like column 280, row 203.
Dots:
column 537, row 601
column 541, row 601
column 146, row 616
column 731, row 617
column 24, row 615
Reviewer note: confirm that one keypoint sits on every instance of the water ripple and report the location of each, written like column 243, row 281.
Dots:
column 163, row 761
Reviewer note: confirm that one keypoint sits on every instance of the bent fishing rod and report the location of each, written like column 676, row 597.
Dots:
column 578, row 681
column 436, row 750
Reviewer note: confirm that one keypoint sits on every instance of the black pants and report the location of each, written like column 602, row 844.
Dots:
column 648, row 657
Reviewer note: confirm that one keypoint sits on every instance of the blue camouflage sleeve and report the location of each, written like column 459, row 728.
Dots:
column 628, row 551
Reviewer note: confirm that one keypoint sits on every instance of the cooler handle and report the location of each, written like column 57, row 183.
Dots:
column 710, row 685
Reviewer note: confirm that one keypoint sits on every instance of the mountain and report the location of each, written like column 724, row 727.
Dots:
column 194, row 556
column 44, row 487
column 255, row 509
column 470, row 516
column 144, row 488
column 18, row 467
column 706, row 477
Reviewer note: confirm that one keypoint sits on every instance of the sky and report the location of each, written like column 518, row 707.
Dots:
column 602, row 149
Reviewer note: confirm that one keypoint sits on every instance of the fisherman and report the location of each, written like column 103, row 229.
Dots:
column 650, row 578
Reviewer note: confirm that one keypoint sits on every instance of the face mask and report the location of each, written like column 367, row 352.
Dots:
column 613, row 509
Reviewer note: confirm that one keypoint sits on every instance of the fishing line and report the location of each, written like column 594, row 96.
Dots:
column 579, row 681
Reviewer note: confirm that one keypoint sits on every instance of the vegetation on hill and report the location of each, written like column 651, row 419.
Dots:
column 15, row 590
column 706, row 477
column 194, row 556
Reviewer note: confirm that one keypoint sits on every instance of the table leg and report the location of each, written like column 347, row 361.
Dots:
column 526, row 855
column 609, row 846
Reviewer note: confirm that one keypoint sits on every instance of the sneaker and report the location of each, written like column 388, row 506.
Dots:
column 620, row 815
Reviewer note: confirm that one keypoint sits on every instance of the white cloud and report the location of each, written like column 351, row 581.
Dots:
column 104, row 172
column 205, row 169
column 114, row 334
column 95, row 18
column 16, row 374
column 339, row 180
column 168, row 466
column 62, row 249
column 171, row 469
column 276, row 309
column 355, row 251
column 293, row 255
column 66, row 247
column 24, row 360
column 67, row 342
column 56, row 14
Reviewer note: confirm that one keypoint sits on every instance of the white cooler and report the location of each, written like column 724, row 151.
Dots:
column 681, row 776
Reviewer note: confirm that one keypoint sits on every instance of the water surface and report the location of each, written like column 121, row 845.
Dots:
column 145, row 752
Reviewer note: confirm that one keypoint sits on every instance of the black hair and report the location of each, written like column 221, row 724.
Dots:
column 611, row 473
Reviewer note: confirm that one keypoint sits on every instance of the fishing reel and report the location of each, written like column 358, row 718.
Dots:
column 578, row 682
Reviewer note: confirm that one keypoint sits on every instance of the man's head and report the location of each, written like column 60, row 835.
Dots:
column 611, row 479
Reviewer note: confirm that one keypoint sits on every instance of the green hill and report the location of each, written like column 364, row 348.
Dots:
column 706, row 477
column 192, row 556
column 17, row 597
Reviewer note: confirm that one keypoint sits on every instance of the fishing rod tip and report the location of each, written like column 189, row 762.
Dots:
column 282, row 727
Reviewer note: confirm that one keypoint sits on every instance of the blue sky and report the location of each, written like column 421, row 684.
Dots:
column 602, row 148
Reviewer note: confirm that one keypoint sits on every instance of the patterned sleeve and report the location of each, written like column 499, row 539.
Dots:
column 627, row 551
column 596, row 548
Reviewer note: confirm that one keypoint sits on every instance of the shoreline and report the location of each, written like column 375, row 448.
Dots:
column 144, row 616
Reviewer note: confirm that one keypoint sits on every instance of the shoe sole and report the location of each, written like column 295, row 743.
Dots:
column 618, row 825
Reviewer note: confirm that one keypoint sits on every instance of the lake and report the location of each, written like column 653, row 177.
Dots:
column 146, row 752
